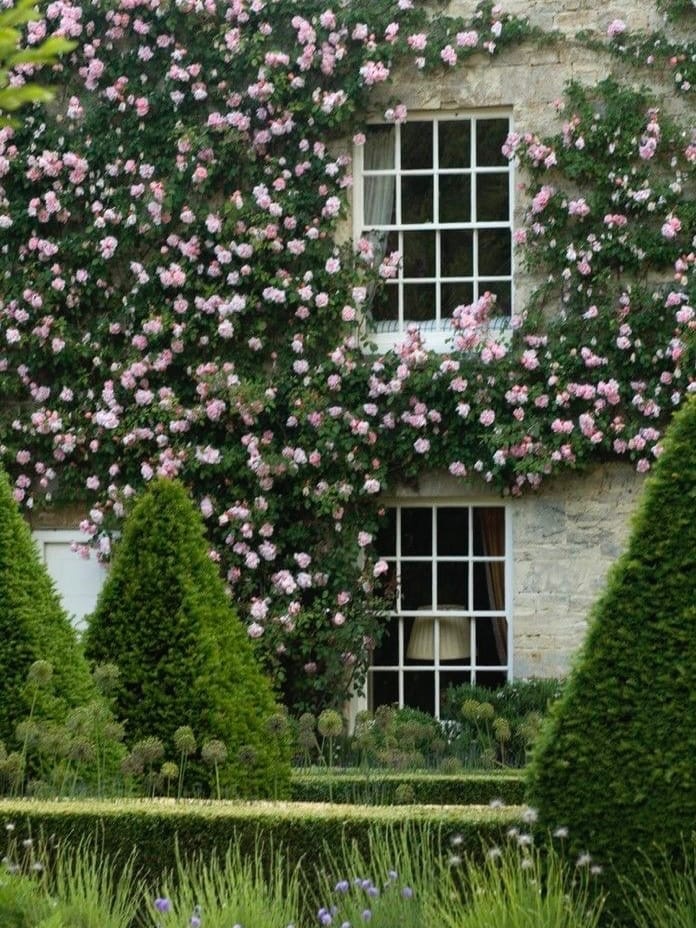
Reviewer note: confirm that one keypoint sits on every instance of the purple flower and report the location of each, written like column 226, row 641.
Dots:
column 163, row 905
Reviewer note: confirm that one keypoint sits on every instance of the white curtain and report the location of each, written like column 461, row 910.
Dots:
column 379, row 191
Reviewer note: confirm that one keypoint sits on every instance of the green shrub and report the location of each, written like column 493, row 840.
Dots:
column 381, row 788
column 505, row 738
column 152, row 829
column 615, row 764
column 164, row 618
column 33, row 627
column 399, row 739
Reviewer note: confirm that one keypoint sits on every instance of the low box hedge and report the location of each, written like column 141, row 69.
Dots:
column 377, row 787
column 151, row 830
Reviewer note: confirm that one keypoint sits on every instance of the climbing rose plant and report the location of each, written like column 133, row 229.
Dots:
column 175, row 302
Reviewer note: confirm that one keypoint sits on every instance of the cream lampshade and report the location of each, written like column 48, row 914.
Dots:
column 455, row 636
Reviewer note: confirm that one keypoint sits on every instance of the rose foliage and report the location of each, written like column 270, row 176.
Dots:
column 175, row 303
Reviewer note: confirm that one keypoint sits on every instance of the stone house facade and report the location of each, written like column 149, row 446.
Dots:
column 534, row 564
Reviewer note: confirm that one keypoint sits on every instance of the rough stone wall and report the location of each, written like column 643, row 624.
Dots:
column 569, row 16
column 565, row 539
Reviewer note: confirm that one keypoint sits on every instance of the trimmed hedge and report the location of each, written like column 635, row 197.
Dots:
column 378, row 788
column 164, row 617
column 152, row 829
column 617, row 762
column 33, row 626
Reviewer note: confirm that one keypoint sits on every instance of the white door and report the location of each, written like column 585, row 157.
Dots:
column 77, row 580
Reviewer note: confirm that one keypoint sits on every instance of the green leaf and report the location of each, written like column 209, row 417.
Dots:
column 12, row 98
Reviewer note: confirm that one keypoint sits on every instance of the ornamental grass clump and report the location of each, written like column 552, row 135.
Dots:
column 615, row 762
column 35, row 632
column 227, row 892
column 184, row 658
column 520, row 886
column 663, row 898
column 395, row 882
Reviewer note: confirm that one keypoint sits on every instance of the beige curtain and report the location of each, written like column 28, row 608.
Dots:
column 493, row 536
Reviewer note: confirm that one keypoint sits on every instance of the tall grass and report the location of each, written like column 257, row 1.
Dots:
column 519, row 886
column 88, row 892
column 666, row 898
column 391, row 885
column 225, row 893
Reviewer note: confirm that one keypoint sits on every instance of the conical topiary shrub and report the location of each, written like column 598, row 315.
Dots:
column 165, row 619
column 616, row 762
column 33, row 627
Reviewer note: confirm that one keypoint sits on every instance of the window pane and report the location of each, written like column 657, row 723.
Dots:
column 419, row 254
column 385, row 306
column 416, row 531
column 492, row 197
column 387, row 654
column 416, row 585
column 379, row 201
column 491, row 642
column 419, row 690
column 452, row 530
column 503, row 306
column 489, row 531
column 454, row 143
column 419, row 302
column 453, row 584
column 384, row 688
column 454, row 295
column 379, row 148
column 386, row 535
column 490, row 136
column 494, row 253
column 489, row 585
column 416, row 200
column 455, row 197
column 457, row 249
column 416, row 145
column 491, row 678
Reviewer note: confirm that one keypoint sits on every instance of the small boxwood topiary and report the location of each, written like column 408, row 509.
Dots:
column 165, row 619
column 33, row 627
column 616, row 761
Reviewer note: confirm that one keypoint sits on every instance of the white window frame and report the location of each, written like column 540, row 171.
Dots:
column 473, row 615
column 436, row 333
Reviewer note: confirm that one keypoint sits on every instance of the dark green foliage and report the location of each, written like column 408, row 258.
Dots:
column 151, row 831
column 379, row 787
column 513, row 700
column 184, row 658
column 522, row 704
column 33, row 627
column 617, row 762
